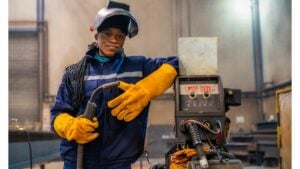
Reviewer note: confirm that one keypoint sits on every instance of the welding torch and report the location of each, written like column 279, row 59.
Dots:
column 89, row 113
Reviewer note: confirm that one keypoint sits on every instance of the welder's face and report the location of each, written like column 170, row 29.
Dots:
column 110, row 41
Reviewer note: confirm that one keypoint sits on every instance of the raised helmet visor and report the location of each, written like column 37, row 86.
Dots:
column 106, row 13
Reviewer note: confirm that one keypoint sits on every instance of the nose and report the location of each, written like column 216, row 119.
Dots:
column 114, row 38
column 118, row 37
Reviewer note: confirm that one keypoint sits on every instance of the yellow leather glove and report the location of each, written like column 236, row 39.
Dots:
column 78, row 128
column 178, row 166
column 181, row 157
column 129, row 105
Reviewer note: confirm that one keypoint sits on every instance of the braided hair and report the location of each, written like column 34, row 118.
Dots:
column 74, row 77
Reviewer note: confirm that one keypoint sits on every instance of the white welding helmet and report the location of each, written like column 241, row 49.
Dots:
column 117, row 15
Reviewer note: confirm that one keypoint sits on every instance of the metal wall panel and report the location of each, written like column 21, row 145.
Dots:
column 23, row 76
column 232, row 27
column 276, row 40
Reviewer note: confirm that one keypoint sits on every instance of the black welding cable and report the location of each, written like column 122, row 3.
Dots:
column 147, row 157
column 156, row 165
column 222, row 145
column 219, row 153
column 29, row 145
column 197, row 143
column 202, row 126
column 230, row 156
column 214, row 148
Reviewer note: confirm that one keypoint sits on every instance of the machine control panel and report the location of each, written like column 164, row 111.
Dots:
column 200, row 94
column 199, row 98
column 195, row 96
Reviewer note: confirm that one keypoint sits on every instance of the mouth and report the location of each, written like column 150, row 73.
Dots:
column 112, row 47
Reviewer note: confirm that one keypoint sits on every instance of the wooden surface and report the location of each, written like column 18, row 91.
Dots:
column 285, row 121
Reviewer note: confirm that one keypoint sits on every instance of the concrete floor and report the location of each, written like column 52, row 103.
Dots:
column 138, row 165
column 259, row 167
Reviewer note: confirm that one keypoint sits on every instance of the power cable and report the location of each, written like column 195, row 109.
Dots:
column 21, row 129
column 29, row 144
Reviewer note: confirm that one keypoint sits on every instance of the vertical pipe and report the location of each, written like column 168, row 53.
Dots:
column 179, row 7
column 40, row 60
column 189, row 18
column 45, row 80
column 37, row 14
column 257, row 47
column 174, row 37
column 43, row 13
column 257, row 52
column 44, row 53
column 41, row 54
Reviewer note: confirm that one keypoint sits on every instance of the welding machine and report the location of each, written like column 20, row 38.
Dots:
column 200, row 106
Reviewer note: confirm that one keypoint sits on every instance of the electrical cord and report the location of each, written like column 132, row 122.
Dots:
column 158, row 165
column 202, row 126
column 218, row 132
column 220, row 129
column 214, row 148
column 21, row 129
column 147, row 157
column 155, row 165
column 197, row 143
column 29, row 143
column 219, row 153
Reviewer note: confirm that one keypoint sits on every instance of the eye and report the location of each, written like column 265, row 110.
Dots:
column 108, row 34
column 121, row 36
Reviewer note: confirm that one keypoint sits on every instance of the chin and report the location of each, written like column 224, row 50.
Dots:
column 110, row 54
